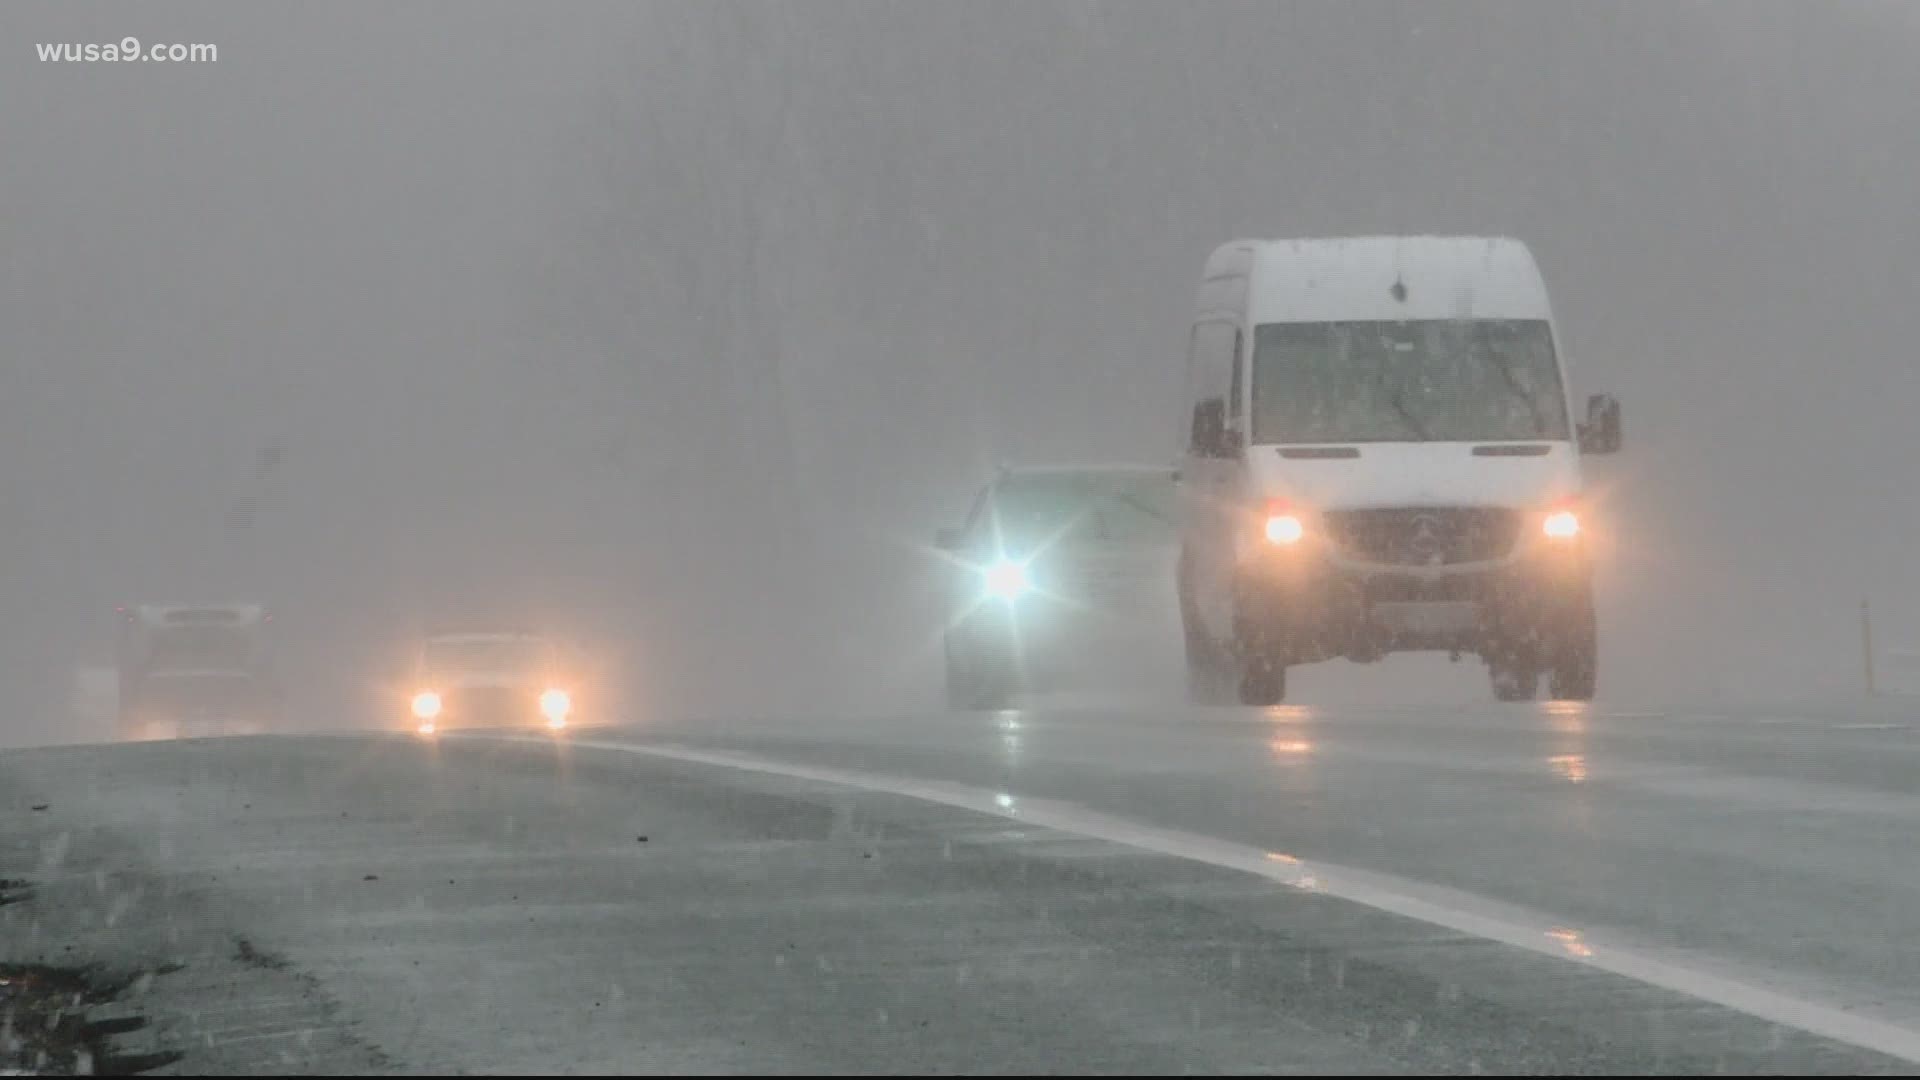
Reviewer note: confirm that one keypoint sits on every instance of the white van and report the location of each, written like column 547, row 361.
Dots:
column 195, row 670
column 1381, row 457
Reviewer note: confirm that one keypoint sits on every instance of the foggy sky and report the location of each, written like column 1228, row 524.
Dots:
column 681, row 326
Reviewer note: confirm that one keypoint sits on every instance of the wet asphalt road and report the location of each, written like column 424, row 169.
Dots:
column 384, row 904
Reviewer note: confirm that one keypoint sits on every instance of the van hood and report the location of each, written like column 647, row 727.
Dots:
column 1371, row 475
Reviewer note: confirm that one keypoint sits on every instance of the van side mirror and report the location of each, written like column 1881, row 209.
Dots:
column 1601, row 432
column 1209, row 437
column 949, row 539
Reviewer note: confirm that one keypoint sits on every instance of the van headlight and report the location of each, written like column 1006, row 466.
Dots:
column 1285, row 529
column 426, row 705
column 1282, row 524
column 1561, row 525
column 556, row 705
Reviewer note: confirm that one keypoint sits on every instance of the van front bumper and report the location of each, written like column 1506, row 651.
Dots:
column 1303, row 606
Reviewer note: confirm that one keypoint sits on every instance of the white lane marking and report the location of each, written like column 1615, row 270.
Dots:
column 1469, row 914
column 1724, row 718
column 286, row 1033
column 1872, row 727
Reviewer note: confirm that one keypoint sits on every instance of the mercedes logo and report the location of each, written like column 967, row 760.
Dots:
column 1426, row 542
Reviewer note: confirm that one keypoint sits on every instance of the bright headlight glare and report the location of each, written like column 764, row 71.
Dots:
column 1008, row 579
column 426, row 705
column 1561, row 525
column 555, row 704
column 1285, row 529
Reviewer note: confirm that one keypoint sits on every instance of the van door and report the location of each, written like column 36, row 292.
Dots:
column 1215, row 458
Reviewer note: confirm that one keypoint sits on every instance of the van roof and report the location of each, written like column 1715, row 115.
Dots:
column 1385, row 278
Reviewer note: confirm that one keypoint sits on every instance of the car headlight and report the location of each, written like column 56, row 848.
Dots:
column 555, row 705
column 1561, row 525
column 426, row 705
column 1007, row 579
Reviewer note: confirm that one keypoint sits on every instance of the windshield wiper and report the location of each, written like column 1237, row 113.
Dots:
column 1514, row 387
column 1406, row 414
column 1380, row 381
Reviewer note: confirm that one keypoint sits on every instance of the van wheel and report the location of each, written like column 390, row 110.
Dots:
column 1512, row 683
column 1263, row 682
column 1576, row 663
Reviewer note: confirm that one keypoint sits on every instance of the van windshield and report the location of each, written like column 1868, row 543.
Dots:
column 1432, row 380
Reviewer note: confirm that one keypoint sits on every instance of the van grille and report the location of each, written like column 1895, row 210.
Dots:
column 1425, row 536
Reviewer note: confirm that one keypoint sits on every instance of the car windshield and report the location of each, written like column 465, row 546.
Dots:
column 503, row 654
column 1448, row 380
column 1083, row 508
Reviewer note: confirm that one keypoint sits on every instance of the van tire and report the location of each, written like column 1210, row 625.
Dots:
column 1576, row 667
column 1575, row 681
column 1513, row 683
column 1574, row 657
column 1263, row 682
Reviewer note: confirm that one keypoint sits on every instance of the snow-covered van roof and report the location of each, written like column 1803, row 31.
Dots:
column 1383, row 278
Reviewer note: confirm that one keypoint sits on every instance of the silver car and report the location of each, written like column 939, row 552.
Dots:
column 1059, row 577
column 489, row 679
